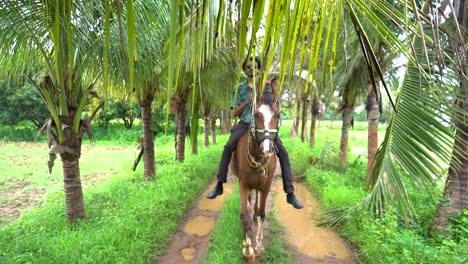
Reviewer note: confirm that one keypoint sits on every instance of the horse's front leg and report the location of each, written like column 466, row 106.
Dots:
column 261, row 218
column 247, row 250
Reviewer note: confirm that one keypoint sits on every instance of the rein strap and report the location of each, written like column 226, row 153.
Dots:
column 259, row 165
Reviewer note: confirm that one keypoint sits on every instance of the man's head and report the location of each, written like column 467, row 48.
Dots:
column 249, row 65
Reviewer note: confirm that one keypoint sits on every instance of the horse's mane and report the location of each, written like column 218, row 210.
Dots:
column 268, row 98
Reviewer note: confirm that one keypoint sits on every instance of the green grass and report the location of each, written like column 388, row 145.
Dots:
column 226, row 241
column 132, row 221
column 128, row 221
column 277, row 251
column 385, row 240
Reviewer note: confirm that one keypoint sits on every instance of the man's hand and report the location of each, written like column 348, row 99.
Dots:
column 250, row 99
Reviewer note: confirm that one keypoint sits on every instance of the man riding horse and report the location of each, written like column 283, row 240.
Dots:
column 242, row 107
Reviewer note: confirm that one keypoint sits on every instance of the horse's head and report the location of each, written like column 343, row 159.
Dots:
column 266, row 121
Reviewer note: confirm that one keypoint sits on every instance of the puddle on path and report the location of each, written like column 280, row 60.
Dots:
column 302, row 230
column 218, row 203
column 191, row 240
column 199, row 226
column 187, row 253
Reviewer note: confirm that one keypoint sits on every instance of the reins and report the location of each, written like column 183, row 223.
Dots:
column 261, row 165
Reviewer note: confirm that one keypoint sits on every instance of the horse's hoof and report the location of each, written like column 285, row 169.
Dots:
column 248, row 253
column 259, row 250
column 250, row 259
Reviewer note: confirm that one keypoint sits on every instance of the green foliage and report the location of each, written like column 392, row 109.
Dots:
column 387, row 239
column 277, row 251
column 226, row 241
column 128, row 220
column 123, row 110
column 459, row 228
column 21, row 103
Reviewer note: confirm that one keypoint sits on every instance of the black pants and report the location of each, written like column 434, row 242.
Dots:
column 237, row 132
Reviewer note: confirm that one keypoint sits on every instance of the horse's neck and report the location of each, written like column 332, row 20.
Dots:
column 253, row 148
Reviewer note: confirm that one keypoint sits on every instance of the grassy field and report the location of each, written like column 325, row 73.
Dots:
column 385, row 240
column 128, row 220
column 132, row 221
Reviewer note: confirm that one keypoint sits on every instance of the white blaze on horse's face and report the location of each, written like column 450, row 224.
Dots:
column 267, row 144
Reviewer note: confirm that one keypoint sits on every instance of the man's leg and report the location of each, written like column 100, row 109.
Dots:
column 287, row 174
column 236, row 133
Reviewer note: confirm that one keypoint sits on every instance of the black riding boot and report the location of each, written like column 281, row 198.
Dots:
column 291, row 199
column 218, row 190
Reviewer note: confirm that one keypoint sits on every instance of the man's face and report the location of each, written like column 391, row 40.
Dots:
column 250, row 67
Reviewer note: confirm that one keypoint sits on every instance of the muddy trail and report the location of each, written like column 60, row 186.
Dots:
column 311, row 244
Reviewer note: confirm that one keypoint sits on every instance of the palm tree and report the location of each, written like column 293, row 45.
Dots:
column 314, row 111
column 58, row 41
column 455, row 198
column 138, row 71
column 419, row 137
column 408, row 18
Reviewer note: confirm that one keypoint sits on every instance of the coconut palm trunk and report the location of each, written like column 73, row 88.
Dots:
column 72, row 186
column 372, row 107
column 206, row 129
column 225, row 122
column 295, row 125
column 148, row 140
column 70, row 153
column 315, row 109
column 180, row 133
column 304, row 114
column 347, row 117
column 455, row 198
column 195, row 144
column 213, row 128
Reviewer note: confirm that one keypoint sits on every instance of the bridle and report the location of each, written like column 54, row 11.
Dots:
column 262, row 134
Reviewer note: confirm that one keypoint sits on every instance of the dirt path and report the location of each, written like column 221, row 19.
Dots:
column 312, row 244
column 191, row 239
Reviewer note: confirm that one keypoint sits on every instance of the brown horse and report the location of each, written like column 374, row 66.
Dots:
column 254, row 162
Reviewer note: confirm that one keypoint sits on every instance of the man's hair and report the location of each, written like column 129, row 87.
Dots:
column 257, row 60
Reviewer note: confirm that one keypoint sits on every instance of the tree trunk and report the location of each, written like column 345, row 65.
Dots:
column 225, row 122
column 206, row 129
column 148, row 140
column 213, row 128
column 71, row 171
column 194, row 132
column 180, row 121
column 315, row 109
column 455, row 198
column 304, row 120
column 373, row 114
column 295, row 125
column 195, row 144
column 347, row 116
column 73, row 191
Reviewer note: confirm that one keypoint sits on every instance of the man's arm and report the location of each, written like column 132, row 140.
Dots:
column 239, row 109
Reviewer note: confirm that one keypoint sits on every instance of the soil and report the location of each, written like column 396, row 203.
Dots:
column 17, row 196
column 321, row 245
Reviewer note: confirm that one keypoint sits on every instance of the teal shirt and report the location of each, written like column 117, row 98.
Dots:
column 243, row 94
